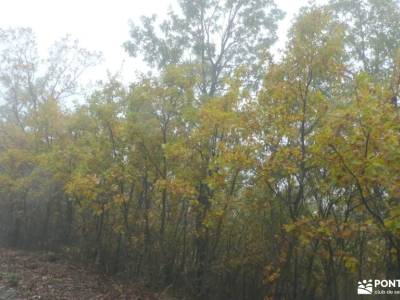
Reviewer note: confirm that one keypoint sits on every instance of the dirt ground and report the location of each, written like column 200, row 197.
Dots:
column 33, row 276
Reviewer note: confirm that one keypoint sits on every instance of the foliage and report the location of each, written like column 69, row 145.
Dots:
column 204, row 177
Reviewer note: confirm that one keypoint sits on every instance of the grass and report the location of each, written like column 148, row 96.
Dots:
column 11, row 278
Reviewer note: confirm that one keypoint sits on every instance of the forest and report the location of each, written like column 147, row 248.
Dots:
column 225, row 172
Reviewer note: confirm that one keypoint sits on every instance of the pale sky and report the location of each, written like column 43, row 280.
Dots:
column 101, row 25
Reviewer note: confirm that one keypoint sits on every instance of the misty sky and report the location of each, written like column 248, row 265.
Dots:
column 101, row 25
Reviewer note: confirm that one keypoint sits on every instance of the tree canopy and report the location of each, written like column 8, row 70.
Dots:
column 226, row 174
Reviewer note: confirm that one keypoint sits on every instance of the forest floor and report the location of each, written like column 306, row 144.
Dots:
column 34, row 275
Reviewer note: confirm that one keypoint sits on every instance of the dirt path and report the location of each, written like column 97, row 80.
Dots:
column 33, row 276
column 7, row 293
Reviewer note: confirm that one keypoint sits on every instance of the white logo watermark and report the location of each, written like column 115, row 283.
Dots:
column 379, row 287
column 365, row 287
